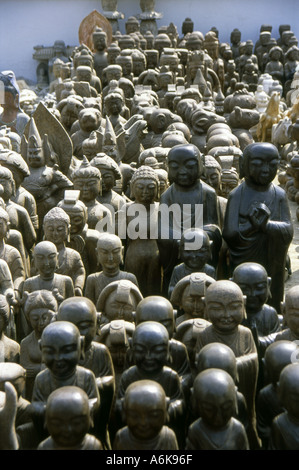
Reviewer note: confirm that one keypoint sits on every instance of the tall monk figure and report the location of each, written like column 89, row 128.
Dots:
column 257, row 226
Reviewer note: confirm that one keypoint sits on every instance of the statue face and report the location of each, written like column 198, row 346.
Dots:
column 217, row 406
column 56, row 231
column 145, row 190
column 35, row 157
column 3, row 229
column 114, row 74
column 150, row 348
column 46, row 260
column 68, row 421
column 89, row 188
column 108, row 179
column 196, row 259
column 60, row 351
column 183, row 168
column 68, row 116
column 145, row 415
column 84, row 75
column 117, row 309
column 2, row 324
column 99, row 42
column 225, row 310
column 163, row 185
column 254, row 284
column 131, row 27
column 39, row 318
column 165, row 79
column 235, row 37
column 138, row 67
column 192, row 304
column 292, row 313
column 110, row 254
column 78, row 221
column 8, row 188
column 212, row 177
column 114, row 106
column 227, row 185
column 262, row 168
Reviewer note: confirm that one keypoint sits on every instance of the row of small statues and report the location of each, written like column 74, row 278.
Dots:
column 153, row 317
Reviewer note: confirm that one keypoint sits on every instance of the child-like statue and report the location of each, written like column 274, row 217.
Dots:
column 290, row 311
column 216, row 429
column 45, row 257
column 277, row 356
column 195, row 254
column 284, row 434
column 87, row 179
column 150, row 344
column 184, row 171
column 110, row 257
column 261, row 318
column 221, row 356
column 61, row 346
column 68, row 420
column 145, row 402
column 225, row 309
column 188, row 294
column 57, row 230
column 157, row 308
column 118, row 301
column 82, row 313
column 10, row 349
column 40, row 309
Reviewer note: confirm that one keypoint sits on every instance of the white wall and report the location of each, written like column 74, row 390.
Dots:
column 27, row 23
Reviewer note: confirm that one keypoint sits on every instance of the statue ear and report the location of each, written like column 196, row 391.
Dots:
column 69, row 233
column 236, row 401
column 269, row 279
column 40, row 344
column 283, row 308
column 13, row 187
column 122, row 410
column 82, row 342
column 167, row 399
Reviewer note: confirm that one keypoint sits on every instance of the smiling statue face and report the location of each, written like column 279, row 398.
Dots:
column 225, row 306
column 60, row 345
column 145, row 410
column 56, row 231
column 150, row 347
column 68, row 417
column 45, row 259
column 110, row 253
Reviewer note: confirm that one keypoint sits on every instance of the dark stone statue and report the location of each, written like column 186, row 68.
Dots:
column 68, row 420
column 268, row 405
column 184, row 170
column 145, row 402
column 285, row 432
column 216, row 429
column 257, row 220
column 82, row 313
